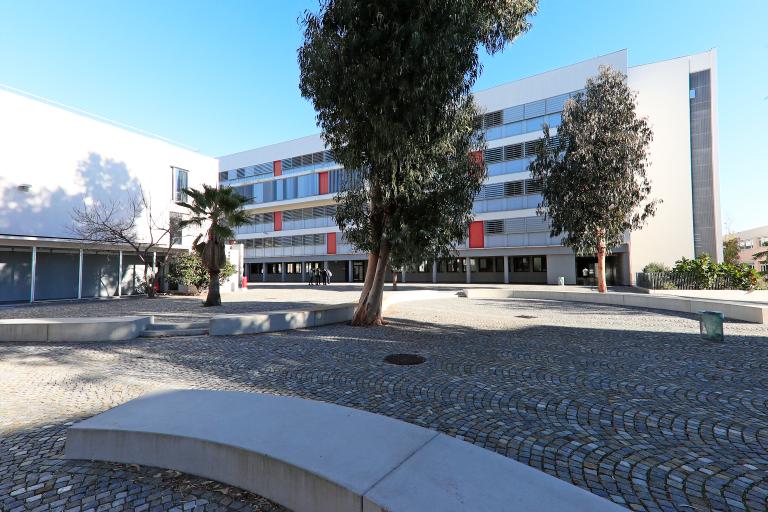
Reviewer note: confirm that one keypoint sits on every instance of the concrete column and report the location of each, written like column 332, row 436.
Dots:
column 303, row 273
column 506, row 269
column 402, row 276
column 80, row 276
column 349, row 273
column 33, row 275
column 434, row 271
column 469, row 269
column 282, row 271
column 120, row 274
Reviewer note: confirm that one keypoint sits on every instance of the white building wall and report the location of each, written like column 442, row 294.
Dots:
column 68, row 158
column 663, row 98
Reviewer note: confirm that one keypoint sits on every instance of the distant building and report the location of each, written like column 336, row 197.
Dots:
column 751, row 242
column 291, row 187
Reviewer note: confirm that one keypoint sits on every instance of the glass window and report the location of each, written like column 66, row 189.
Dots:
column 175, row 230
column 180, row 182
column 521, row 263
column 485, row 264
column 539, row 263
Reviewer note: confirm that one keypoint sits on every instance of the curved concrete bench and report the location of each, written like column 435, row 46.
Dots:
column 315, row 456
column 732, row 310
column 73, row 329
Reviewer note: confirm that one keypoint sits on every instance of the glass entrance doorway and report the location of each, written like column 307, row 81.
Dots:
column 358, row 271
column 586, row 270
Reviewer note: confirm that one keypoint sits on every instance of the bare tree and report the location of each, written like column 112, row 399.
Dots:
column 120, row 222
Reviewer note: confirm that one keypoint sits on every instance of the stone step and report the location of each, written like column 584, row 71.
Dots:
column 163, row 330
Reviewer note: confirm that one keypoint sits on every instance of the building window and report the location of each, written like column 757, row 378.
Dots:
column 764, row 241
column 174, row 229
column 180, row 182
column 764, row 267
column 746, row 244
column 539, row 263
column 521, row 263
column 485, row 264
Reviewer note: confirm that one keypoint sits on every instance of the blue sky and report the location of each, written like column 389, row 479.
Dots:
column 221, row 76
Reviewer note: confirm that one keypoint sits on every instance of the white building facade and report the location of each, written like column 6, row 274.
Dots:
column 291, row 187
column 54, row 159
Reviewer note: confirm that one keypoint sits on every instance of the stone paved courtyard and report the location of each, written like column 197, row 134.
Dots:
column 627, row 403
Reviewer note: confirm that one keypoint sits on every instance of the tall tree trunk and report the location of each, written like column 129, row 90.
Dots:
column 149, row 287
column 369, row 307
column 214, row 295
column 601, row 287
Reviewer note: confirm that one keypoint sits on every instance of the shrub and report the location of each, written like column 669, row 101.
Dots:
column 188, row 270
column 655, row 267
column 702, row 273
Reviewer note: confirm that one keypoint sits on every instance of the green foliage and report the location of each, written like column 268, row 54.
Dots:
column 595, row 187
column 189, row 270
column 655, row 267
column 731, row 251
column 705, row 273
column 221, row 210
column 391, row 83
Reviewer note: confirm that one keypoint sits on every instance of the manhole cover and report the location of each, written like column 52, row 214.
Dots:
column 528, row 317
column 404, row 359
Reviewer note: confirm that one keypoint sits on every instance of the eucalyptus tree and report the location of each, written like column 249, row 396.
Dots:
column 218, row 211
column 390, row 81
column 594, row 183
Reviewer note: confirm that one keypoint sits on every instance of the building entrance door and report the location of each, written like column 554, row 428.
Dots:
column 358, row 271
column 586, row 270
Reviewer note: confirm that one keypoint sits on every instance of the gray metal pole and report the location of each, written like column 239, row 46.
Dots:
column 120, row 274
column 349, row 268
column 434, row 271
column 33, row 275
column 80, row 276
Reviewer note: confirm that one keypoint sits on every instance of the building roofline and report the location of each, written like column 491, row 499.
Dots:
column 95, row 117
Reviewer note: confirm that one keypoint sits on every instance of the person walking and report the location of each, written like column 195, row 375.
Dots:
column 328, row 276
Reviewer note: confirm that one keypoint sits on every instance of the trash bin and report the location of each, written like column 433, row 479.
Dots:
column 561, row 281
column 711, row 325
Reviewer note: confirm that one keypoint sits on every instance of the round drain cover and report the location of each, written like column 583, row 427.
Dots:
column 404, row 359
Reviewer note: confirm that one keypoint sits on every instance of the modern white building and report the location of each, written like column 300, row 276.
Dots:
column 291, row 187
column 54, row 159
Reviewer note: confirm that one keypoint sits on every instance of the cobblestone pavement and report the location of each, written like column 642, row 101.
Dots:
column 629, row 404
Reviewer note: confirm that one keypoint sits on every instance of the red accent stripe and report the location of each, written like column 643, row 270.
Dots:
column 323, row 182
column 278, row 221
column 277, row 167
column 331, row 242
column 476, row 235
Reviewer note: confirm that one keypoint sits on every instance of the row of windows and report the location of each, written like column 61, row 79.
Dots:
column 247, row 172
column 516, row 151
column 526, row 111
column 311, row 159
column 509, row 189
column 280, row 190
column 492, row 264
column 284, row 241
column 309, row 213
column 516, row 226
column 290, row 268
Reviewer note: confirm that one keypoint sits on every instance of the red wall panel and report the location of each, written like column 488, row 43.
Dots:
column 323, row 185
column 476, row 235
column 278, row 221
column 331, row 242
column 277, row 166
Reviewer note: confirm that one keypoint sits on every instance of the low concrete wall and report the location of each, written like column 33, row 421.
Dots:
column 316, row 456
column 73, row 329
column 732, row 310
column 272, row 321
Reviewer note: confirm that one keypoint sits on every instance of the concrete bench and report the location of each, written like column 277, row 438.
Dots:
column 733, row 310
column 73, row 329
column 272, row 321
column 315, row 456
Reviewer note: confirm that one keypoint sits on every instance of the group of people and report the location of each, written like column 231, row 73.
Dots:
column 318, row 276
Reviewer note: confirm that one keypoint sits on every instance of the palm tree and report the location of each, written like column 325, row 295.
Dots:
column 222, row 210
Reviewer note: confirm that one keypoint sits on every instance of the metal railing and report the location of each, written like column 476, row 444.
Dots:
column 686, row 281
